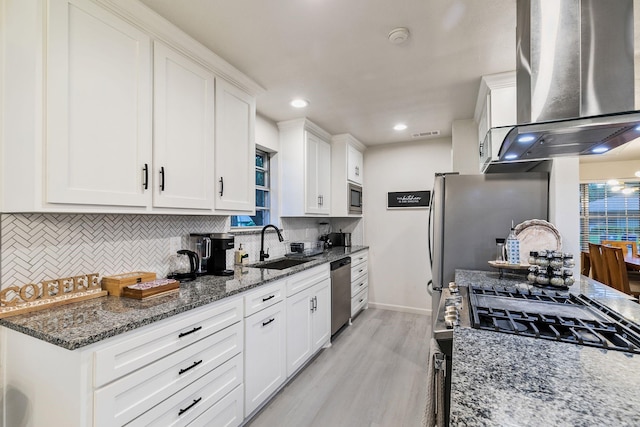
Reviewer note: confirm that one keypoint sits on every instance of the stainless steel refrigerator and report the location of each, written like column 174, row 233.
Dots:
column 468, row 212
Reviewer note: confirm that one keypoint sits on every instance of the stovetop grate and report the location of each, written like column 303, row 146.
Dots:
column 609, row 330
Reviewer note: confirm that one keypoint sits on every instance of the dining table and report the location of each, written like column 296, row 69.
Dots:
column 632, row 261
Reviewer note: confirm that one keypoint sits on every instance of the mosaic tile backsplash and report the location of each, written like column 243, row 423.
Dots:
column 36, row 247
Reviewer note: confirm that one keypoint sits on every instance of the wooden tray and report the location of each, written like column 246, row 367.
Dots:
column 507, row 266
column 149, row 289
column 115, row 284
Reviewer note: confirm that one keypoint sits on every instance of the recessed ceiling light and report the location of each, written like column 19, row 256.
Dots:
column 613, row 182
column 299, row 103
column 400, row 126
column 511, row 156
column 637, row 174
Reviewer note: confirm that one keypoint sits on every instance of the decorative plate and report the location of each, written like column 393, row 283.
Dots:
column 537, row 235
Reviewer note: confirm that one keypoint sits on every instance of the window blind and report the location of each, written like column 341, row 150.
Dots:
column 606, row 214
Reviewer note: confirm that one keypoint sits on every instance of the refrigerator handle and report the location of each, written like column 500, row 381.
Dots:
column 429, row 226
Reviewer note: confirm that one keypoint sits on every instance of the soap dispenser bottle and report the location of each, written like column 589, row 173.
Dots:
column 513, row 247
column 241, row 256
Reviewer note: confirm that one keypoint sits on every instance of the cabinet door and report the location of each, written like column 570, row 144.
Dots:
column 183, row 131
column 324, row 176
column 312, row 197
column 354, row 165
column 299, row 308
column 321, row 316
column 317, row 175
column 98, row 120
column 234, row 149
column 265, row 355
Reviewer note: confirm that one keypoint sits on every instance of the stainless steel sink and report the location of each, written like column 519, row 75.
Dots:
column 281, row 264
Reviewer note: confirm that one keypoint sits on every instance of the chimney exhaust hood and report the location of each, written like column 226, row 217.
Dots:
column 574, row 81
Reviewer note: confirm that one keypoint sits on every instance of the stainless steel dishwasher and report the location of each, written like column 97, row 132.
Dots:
column 340, row 293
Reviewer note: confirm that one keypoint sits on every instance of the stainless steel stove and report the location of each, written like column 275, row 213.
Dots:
column 552, row 315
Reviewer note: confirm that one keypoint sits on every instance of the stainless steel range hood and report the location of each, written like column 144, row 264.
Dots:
column 575, row 80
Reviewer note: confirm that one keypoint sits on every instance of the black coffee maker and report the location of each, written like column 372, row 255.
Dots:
column 212, row 248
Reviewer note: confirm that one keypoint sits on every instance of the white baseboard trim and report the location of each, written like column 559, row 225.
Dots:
column 402, row 308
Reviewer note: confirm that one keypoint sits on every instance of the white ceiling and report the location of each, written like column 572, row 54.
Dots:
column 335, row 53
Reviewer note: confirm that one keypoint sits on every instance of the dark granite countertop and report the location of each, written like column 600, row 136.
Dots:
column 82, row 323
column 508, row 380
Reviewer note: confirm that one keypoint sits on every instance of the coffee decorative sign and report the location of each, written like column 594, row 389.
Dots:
column 408, row 199
column 31, row 297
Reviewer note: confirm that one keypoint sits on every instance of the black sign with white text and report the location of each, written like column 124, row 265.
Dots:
column 408, row 199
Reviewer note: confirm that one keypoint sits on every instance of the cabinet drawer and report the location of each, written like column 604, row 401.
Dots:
column 227, row 412
column 306, row 279
column 141, row 348
column 358, row 271
column 359, row 301
column 359, row 285
column 263, row 297
column 127, row 398
column 359, row 258
column 185, row 406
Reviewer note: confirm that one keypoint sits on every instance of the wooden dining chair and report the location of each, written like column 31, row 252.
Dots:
column 624, row 244
column 585, row 264
column 614, row 259
column 599, row 269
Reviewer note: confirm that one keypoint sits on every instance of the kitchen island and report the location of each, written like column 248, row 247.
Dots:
column 501, row 379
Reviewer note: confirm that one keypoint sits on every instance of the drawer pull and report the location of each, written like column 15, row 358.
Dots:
column 361, row 271
column 361, row 284
column 182, row 371
column 195, row 402
column 361, row 300
column 268, row 321
column 184, row 334
column 268, row 298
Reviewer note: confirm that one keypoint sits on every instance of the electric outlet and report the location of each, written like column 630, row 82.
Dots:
column 174, row 244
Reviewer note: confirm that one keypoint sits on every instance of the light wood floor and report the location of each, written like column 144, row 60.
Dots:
column 374, row 374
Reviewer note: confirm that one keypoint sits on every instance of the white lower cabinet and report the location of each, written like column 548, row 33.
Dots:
column 308, row 317
column 265, row 362
column 359, row 282
column 214, row 365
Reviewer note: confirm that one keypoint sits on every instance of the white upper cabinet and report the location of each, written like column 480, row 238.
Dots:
column 112, row 110
column 183, row 143
column 354, row 164
column 495, row 107
column 235, row 149
column 347, row 167
column 98, row 107
column 306, row 168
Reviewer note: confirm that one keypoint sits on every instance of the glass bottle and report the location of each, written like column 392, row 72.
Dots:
column 500, row 250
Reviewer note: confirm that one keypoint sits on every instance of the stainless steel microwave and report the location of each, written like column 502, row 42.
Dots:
column 355, row 199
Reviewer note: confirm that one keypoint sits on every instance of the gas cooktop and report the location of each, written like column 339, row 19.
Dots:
column 554, row 316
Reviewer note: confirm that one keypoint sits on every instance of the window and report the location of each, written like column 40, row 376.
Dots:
column 609, row 212
column 263, row 199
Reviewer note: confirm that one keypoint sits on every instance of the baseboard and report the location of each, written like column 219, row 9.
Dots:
column 402, row 308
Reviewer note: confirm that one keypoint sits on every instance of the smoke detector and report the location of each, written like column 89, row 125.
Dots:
column 398, row 35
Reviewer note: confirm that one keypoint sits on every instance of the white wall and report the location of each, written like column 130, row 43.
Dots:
column 602, row 171
column 465, row 156
column 564, row 203
column 267, row 135
column 398, row 254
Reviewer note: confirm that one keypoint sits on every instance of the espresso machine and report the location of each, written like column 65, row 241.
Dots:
column 212, row 250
